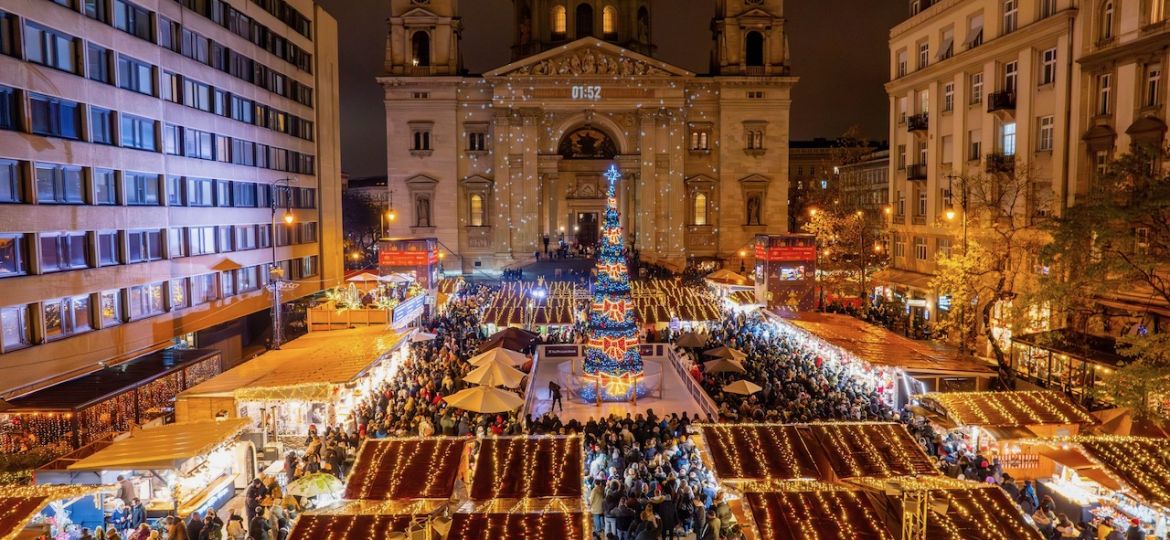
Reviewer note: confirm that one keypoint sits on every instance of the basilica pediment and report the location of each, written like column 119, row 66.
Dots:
column 589, row 57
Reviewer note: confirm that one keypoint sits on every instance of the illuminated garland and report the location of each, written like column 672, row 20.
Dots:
column 527, row 467
column 762, row 452
column 653, row 301
column 536, row 526
column 1018, row 408
column 813, row 510
column 1143, row 463
column 853, row 445
column 389, row 469
column 612, row 349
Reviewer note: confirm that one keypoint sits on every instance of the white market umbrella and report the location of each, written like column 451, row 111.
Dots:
column 421, row 336
column 501, row 355
column 315, row 484
column 722, row 365
column 724, row 351
column 485, row 399
column 495, row 374
column 395, row 278
column 363, row 278
column 742, row 387
column 691, row 340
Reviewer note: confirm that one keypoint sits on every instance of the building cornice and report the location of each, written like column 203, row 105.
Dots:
column 1155, row 41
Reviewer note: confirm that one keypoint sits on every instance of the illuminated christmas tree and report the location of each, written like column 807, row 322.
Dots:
column 612, row 351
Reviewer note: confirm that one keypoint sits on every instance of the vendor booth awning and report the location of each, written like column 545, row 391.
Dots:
column 877, row 450
column 800, row 510
column 727, row 278
column 477, row 526
column 405, row 469
column 306, row 368
column 1141, row 463
column 19, row 504
column 164, row 447
column 880, row 347
column 349, row 527
column 528, row 467
column 738, row 452
column 1022, row 408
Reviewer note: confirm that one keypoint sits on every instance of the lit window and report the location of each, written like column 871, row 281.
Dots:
column 560, row 20
column 609, row 22
column 477, row 213
column 700, row 209
column 1044, row 144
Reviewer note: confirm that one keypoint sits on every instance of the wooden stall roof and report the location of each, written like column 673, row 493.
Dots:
column 19, row 504
column 800, row 510
column 406, row 469
column 1021, row 408
column 348, row 526
column 480, row 526
column 163, row 447
column 77, row 394
column 755, row 452
column 877, row 450
column 307, row 366
column 1140, row 463
column 975, row 511
column 655, row 301
column 880, row 347
column 528, row 467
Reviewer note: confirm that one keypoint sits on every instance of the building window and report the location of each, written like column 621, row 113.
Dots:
column 903, row 109
column 560, row 22
column 921, row 209
column 143, row 246
column 105, row 187
column 1010, row 76
column 138, row 132
column 65, row 317
column 903, row 63
column 947, row 48
column 54, row 117
column 1048, row 67
column 15, row 328
column 248, row 279
column 1153, row 89
column 179, row 296
column 50, row 48
column 948, row 149
column 146, row 300
column 754, row 49
column 609, row 22
column 204, row 289
column 974, row 145
column 60, row 184
column 135, row 75
column 923, row 54
column 476, row 141
column 700, row 208
column 1104, row 91
column 754, row 133
column 1007, row 138
column 901, row 209
column 13, row 255
column 101, row 125
column 1106, row 29
column 110, row 308
column 97, row 62
column 700, row 140
column 1157, row 11
column 98, row 10
column 974, row 31
column 899, row 246
column 920, row 248
column 176, row 244
column 10, row 108
column 948, row 97
column 107, row 248
column 976, row 88
column 943, row 247
column 1011, row 14
column 420, row 138
column 476, row 210
column 1046, row 129
column 901, row 156
column 63, row 251
column 200, row 192
column 11, row 182
column 1048, row 8
column 309, row 266
column 226, row 238
column 201, row 240
column 141, row 188
column 420, row 49
column 133, row 20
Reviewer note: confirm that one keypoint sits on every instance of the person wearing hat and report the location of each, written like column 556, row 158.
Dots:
column 1135, row 531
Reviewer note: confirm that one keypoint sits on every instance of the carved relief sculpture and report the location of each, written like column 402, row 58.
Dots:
column 590, row 62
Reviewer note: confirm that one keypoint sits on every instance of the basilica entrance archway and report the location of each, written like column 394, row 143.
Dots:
column 575, row 184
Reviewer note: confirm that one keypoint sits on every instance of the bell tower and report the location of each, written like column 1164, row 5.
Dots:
column 749, row 38
column 424, row 38
column 544, row 24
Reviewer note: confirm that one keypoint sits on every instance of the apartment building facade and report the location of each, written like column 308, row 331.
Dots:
column 150, row 151
column 977, row 87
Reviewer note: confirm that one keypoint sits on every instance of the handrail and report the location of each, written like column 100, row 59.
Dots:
column 697, row 392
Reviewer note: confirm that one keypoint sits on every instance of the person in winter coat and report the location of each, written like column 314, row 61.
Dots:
column 235, row 527
column 194, row 526
column 258, row 527
column 1135, row 531
column 623, row 517
column 597, row 506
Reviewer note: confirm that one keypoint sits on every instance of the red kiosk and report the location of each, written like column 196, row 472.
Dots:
column 786, row 268
column 416, row 256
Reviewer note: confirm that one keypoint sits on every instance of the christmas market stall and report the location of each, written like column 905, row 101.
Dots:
column 989, row 423
column 406, row 469
column 365, row 520
column 868, row 450
column 50, row 511
column 184, row 467
column 796, row 510
column 657, row 303
column 72, row 414
column 520, row 526
column 904, row 365
column 1123, row 477
column 741, row 453
column 524, row 468
column 947, row 509
column 313, row 380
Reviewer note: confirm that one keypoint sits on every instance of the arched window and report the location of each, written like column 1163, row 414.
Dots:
column 584, row 21
column 420, row 47
column 643, row 25
column 609, row 22
column 700, row 209
column 1107, row 20
column 754, row 49
column 476, row 204
column 560, row 21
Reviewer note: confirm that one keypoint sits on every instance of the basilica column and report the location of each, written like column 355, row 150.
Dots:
column 647, row 189
column 527, row 220
column 674, row 196
column 502, row 207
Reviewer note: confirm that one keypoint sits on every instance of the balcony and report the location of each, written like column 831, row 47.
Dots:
column 916, row 171
column 918, row 122
column 1001, row 101
column 1001, row 163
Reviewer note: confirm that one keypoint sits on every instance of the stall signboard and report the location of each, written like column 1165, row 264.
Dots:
column 786, row 271
column 561, row 351
column 408, row 258
column 406, row 312
column 419, row 256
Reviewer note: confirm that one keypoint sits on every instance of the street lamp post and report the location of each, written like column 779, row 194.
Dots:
column 950, row 215
column 861, row 252
column 742, row 254
column 276, row 281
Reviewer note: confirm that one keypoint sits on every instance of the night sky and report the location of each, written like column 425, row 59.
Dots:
column 838, row 51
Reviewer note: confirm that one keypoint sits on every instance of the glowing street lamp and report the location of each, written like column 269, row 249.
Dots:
column 742, row 254
column 276, row 281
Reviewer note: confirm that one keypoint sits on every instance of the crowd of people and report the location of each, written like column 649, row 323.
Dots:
column 798, row 384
